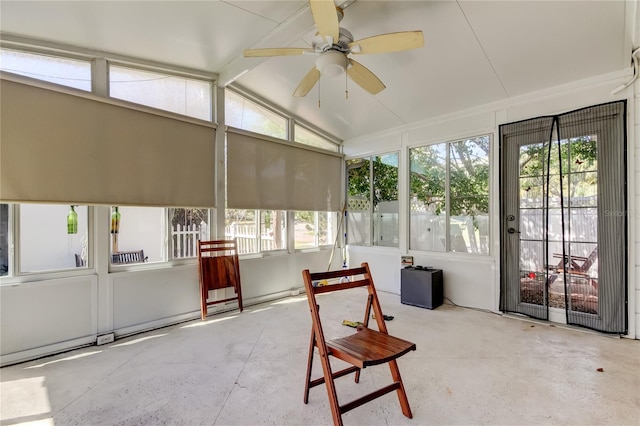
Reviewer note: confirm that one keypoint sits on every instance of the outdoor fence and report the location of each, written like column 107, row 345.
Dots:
column 245, row 233
column 185, row 238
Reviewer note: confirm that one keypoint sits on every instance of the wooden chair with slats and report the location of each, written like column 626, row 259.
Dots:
column 366, row 347
column 218, row 268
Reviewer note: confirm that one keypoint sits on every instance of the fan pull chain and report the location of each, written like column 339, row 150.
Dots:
column 319, row 92
column 346, row 78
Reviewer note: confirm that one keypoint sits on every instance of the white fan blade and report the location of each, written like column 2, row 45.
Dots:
column 365, row 78
column 307, row 82
column 278, row 51
column 325, row 16
column 392, row 42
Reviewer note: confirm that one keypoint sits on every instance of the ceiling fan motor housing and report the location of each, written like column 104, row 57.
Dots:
column 331, row 63
column 341, row 45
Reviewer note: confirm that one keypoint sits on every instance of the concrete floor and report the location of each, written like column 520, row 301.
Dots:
column 470, row 368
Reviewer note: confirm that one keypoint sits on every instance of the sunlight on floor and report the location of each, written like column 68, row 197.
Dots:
column 140, row 340
column 25, row 401
column 290, row 300
column 69, row 358
column 208, row 322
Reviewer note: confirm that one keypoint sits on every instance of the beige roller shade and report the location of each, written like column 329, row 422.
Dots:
column 273, row 174
column 59, row 146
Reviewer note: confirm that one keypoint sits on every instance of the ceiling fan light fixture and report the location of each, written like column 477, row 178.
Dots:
column 331, row 63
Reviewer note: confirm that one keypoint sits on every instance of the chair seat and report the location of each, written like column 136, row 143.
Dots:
column 369, row 347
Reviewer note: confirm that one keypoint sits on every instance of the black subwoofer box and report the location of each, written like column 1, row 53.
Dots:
column 421, row 287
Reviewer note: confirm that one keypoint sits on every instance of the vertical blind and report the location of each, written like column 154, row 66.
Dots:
column 59, row 146
column 274, row 174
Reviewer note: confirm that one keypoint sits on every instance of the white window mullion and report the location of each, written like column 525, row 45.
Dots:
column 447, row 198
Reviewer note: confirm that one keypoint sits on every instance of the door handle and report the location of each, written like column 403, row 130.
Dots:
column 512, row 231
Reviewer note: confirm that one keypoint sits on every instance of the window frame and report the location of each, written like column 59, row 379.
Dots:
column 291, row 123
column 15, row 274
column 447, row 194
column 262, row 105
column 99, row 65
column 170, row 73
column 169, row 234
column 257, row 236
column 41, row 51
column 332, row 230
column 372, row 212
column 307, row 128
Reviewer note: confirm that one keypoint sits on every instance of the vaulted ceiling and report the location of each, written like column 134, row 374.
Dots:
column 476, row 52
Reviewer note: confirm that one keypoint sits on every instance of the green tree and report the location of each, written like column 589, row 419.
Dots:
column 385, row 179
column 579, row 168
column 186, row 217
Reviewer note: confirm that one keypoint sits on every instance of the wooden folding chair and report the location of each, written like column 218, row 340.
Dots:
column 364, row 348
column 218, row 268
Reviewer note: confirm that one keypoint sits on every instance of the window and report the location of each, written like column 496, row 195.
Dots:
column 266, row 230
column 255, row 230
column 173, row 93
column 273, row 235
column 358, row 201
column 187, row 227
column 151, row 229
column 244, row 114
column 314, row 229
column 64, row 71
column 449, row 196
column 253, row 235
column 372, row 198
column 50, row 237
column 138, row 228
column 304, row 136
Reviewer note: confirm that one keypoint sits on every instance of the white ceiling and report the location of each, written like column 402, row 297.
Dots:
column 476, row 52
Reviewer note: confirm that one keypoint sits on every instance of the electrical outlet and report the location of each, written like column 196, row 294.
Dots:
column 104, row 339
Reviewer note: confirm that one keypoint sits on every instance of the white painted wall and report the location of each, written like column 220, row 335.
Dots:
column 42, row 317
column 474, row 281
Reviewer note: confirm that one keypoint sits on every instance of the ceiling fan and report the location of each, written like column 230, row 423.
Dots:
column 333, row 45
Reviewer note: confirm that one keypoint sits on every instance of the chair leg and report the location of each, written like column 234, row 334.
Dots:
column 367, row 315
column 402, row 395
column 331, row 387
column 239, row 293
column 309, row 366
column 203, row 303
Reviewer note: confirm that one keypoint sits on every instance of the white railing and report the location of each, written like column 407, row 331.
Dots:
column 185, row 239
column 245, row 234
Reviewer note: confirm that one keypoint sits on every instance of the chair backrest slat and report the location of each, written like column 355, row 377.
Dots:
column 341, row 286
column 217, row 248
column 338, row 274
